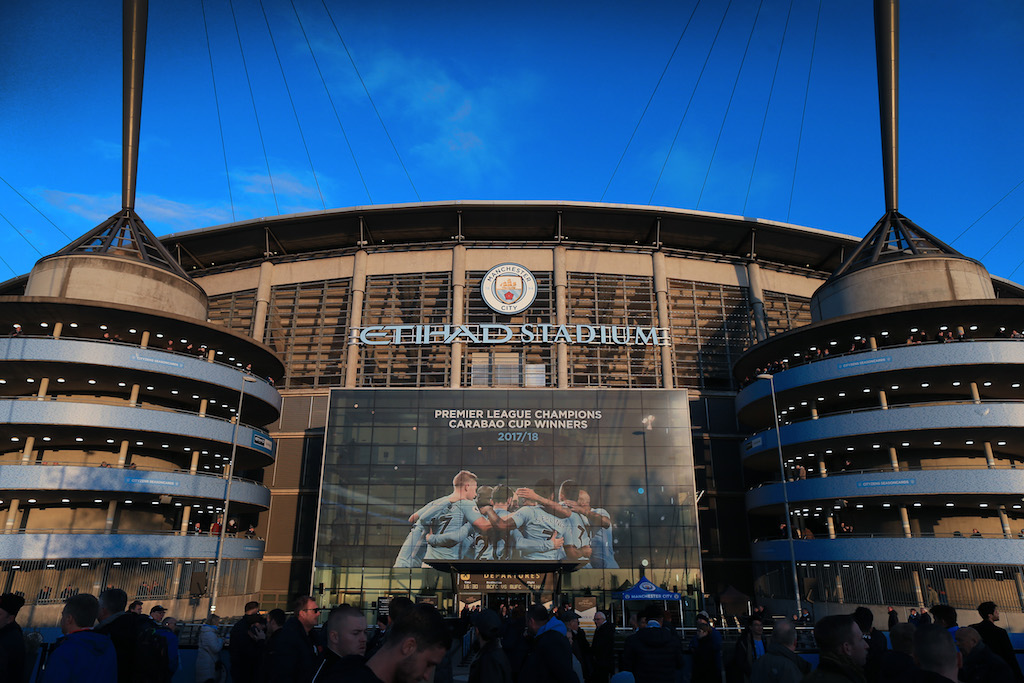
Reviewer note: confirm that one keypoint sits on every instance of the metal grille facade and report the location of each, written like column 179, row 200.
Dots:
column 600, row 299
column 308, row 327
column 711, row 327
column 786, row 311
column 406, row 299
column 234, row 310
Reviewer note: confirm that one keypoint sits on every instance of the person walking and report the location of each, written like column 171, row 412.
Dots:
column 781, row 663
column 842, row 651
column 208, row 666
column 345, row 638
column 996, row 638
column 653, row 654
column 550, row 656
column 245, row 645
column 81, row 655
column 749, row 648
column 293, row 653
column 12, row 640
column 980, row 664
column 491, row 664
column 603, row 649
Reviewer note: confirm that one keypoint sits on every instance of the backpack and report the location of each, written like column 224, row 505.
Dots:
column 152, row 663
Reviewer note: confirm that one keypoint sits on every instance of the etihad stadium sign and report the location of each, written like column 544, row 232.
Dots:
column 510, row 288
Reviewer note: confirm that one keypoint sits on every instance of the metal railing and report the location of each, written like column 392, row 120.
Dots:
column 147, row 468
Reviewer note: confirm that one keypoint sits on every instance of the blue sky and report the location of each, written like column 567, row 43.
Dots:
column 522, row 100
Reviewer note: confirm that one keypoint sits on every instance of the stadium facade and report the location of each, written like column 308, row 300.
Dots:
column 622, row 377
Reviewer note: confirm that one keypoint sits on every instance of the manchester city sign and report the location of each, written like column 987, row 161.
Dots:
column 508, row 288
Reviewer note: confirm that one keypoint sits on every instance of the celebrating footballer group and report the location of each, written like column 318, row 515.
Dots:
column 498, row 523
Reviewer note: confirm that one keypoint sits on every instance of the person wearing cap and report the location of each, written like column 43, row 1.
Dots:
column 491, row 664
column 12, row 640
column 157, row 614
column 81, row 655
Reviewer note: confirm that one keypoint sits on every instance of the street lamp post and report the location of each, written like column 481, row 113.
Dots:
column 227, row 493
column 785, row 492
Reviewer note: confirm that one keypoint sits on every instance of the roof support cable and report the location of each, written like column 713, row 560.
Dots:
column 803, row 113
column 1005, row 235
column 650, row 99
column 334, row 108
column 728, row 106
column 767, row 106
column 216, row 104
column 690, row 101
column 67, row 236
column 21, row 234
column 372, row 104
column 252, row 99
column 986, row 213
column 295, row 112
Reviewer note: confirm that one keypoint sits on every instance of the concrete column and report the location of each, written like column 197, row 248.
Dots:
column 58, row 328
column 458, row 312
column 203, row 405
column 211, row 355
column 12, row 515
column 111, row 511
column 194, row 467
column 1020, row 587
column 176, row 579
column 918, row 593
column 44, row 386
column 975, row 395
column 757, row 301
column 831, row 526
column 990, row 458
column 894, row 459
column 841, row 597
column 872, row 343
column 821, row 467
column 144, row 342
column 26, row 453
column 1005, row 521
column 882, row 400
column 661, row 291
column 186, row 515
column 355, row 317
column 122, row 455
column 259, row 323
column 561, row 316
column 133, row 400
column 905, row 518
column 814, row 412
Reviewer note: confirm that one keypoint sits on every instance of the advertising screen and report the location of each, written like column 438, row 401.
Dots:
column 428, row 478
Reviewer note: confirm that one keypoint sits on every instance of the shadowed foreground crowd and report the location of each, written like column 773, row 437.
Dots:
column 107, row 641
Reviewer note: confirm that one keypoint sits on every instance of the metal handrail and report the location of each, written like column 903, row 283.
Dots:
column 172, row 470
column 933, row 534
column 892, row 406
column 125, row 532
column 118, row 342
column 794, row 362
column 166, row 409
column 885, row 470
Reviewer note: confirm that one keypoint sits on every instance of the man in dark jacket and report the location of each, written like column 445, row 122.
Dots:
column 417, row 642
column 936, row 655
column 82, row 655
column 491, row 665
column 877, row 644
column 981, row 665
column 244, row 645
column 603, row 649
column 653, row 654
column 898, row 663
column 123, row 628
column 996, row 638
column 345, row 636
column 781, row 663
column 12, row 640
column 293, row 652
column 842, row 651
column 550, row 657
column 749, row 648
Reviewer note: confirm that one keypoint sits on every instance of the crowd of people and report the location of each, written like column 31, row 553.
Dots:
column 105, row 639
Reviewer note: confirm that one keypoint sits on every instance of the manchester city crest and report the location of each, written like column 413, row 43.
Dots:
column 508, row 288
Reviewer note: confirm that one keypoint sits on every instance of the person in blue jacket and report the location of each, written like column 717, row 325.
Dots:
column 81, row 655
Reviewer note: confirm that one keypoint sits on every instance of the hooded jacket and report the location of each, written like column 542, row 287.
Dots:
column 84, row 656
column 550, row 658
column 779, row 665
column 653, row 655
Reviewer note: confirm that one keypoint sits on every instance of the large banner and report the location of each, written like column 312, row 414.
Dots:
column 420, row 478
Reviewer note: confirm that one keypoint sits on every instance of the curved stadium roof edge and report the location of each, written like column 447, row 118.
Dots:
column 513, row 221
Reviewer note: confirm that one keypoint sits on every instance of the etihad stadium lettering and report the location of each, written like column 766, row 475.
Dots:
column 528, row 333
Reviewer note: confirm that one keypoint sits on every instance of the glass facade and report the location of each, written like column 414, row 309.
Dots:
column 390, row 453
